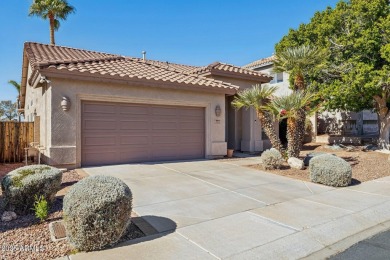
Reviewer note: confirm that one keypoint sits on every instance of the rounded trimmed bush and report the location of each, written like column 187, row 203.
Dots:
column 97, row 212
column 330, row 170
column 21, row 185
column 271, row 159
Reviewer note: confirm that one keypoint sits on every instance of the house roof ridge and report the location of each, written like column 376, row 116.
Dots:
column 71, row 48
column 261, row 61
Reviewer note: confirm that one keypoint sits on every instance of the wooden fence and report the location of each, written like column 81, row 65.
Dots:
column 14, row 137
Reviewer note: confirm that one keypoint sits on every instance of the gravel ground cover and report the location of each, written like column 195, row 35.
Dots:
column 366, row 165
column 28, row 238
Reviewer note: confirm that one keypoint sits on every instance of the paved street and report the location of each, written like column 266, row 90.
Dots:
column 375, row 248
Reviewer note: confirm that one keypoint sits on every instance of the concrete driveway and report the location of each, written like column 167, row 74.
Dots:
column 213, row 209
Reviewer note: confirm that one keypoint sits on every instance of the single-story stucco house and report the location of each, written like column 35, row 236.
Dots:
column 92, row 108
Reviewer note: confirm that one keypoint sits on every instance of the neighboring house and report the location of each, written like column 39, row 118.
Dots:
column 93, row 108
column 364, row 123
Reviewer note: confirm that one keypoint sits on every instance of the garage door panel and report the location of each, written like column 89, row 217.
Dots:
column 99, row 140
column 97, row 109
column 134, row 140
column 102, row 124
column 164, row 111
column 169, row 125
column 134, row 125
column 133, row 110
column 127, row 133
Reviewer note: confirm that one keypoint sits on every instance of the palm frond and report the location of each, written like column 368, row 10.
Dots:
column 289, row 105
column 15, row 84
column 257, row 97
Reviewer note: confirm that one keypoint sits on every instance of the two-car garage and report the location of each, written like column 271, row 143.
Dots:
column 114, row 133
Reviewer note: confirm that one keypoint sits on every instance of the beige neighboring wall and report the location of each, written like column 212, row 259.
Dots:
column 65, row 127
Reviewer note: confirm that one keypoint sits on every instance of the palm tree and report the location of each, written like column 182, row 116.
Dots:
column 291, row 107
column 259, row 97
column 297, row 61
column 15, row 84
column 54, row 10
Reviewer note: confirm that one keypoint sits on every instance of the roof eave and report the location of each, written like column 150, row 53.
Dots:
column 229, row 74
column 86, row 76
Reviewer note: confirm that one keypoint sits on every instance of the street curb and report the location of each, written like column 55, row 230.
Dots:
column 346, row 243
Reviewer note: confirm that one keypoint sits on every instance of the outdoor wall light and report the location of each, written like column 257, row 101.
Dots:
column 65, row 103
column 218, row 111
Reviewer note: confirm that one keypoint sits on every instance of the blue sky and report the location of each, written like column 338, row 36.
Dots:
column 195, row 32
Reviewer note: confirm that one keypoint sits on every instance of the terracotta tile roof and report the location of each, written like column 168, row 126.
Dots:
column 223, row 67
column 48, row 58
column 261, row 62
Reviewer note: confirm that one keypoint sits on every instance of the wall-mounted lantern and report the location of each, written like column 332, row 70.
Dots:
column 218, row 111
column 65, row 103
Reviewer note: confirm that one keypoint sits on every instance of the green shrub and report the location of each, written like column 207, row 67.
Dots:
column 271, row 159
column 41, row 208
column 330, row 170
column 97, row 212
column 21, row 185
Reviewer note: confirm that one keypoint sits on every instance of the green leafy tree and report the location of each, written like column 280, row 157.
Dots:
column 8, row 110
column 54, row 10
column 259, row 98
column 355, row 35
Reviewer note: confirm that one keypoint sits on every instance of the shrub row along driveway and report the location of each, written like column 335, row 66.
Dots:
column 222, row 209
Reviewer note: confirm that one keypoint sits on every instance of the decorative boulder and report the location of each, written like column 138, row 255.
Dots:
column 8, row 216
column 330, row 170
column 271, row 159
column 21, row 185
column 296, row 163
column 310, row 156
column 97, row 212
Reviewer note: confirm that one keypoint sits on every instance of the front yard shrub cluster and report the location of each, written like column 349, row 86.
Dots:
column 271, row 159
column 97, row 212
column 20, row 186
column 330, row 170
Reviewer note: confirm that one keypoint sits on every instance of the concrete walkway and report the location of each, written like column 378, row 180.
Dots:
column 224, row 210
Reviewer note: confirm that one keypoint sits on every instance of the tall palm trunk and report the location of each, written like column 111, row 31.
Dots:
column 299, row 82
column 267, row 123
column 293, row 146
column 300, row 129
column 52, row 28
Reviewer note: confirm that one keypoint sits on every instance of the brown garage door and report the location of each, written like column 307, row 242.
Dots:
column 114, row 133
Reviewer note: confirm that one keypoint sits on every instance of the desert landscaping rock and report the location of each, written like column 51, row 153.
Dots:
column 310, row 156
column 296, row 163
column 8, row 216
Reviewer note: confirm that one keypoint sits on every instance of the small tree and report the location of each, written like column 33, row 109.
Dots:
column 291, row 107
column 259, row 98
column 299, row 62
column 8, row 110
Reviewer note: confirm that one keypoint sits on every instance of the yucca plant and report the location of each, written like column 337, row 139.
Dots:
column 292, row 107
column 259, row 98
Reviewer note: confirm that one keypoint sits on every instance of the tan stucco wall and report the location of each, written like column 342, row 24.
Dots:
column 65, row 127
column 245, row 133
column 37, row 99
